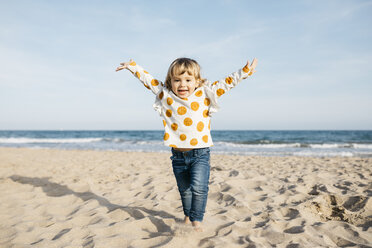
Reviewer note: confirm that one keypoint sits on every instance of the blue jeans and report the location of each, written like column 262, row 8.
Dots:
column 192, row 170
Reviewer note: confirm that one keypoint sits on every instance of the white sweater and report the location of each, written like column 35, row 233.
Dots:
column 187, row 122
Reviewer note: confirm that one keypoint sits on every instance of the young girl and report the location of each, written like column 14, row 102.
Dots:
column 185, row 102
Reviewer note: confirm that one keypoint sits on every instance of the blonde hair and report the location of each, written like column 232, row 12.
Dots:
column 179, row 67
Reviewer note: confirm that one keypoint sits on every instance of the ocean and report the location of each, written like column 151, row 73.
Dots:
column 356, row 143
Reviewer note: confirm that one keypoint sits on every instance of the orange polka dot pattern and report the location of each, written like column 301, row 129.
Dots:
column 193, row 142
column 194, row 106
column 220, row 92
column 148, row 81
column 181, row 110
column 174, row 126
column 198, row 93
column 228, row 80
column 200, row 126
column 187, row 121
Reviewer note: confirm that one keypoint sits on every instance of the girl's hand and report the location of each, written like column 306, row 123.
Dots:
column 124, row 65
column 251, row 67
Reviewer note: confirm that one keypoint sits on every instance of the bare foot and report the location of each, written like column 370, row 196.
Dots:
column 197, row 226
column 186, row 220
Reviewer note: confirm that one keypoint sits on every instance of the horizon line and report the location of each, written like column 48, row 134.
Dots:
column 61, row 130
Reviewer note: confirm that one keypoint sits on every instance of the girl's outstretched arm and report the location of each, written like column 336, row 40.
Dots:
column 220, row 87
column 148, row 81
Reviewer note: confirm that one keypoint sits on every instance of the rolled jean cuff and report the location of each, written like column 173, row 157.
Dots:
column 196, row 219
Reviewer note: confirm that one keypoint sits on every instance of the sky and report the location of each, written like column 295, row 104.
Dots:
column 58, row 60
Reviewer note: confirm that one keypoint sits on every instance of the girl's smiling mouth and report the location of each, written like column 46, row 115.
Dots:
column 182, row 91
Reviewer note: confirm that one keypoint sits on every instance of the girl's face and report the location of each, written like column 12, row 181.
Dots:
column 184, row 85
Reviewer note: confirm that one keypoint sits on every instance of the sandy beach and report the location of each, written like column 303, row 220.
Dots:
column 61, row 198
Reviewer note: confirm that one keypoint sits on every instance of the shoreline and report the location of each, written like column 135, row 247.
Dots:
column 55, row 198
column 213, row 153
column 305, row 143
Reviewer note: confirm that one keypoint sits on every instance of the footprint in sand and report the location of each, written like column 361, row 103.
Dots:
column 233, row 173
column 355, row 203
column 290, row 213
column 294, row 230
column 316, row 188
column 354, row 210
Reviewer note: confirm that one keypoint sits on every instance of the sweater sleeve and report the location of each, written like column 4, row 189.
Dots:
column 220, row 87
column 148, row 81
